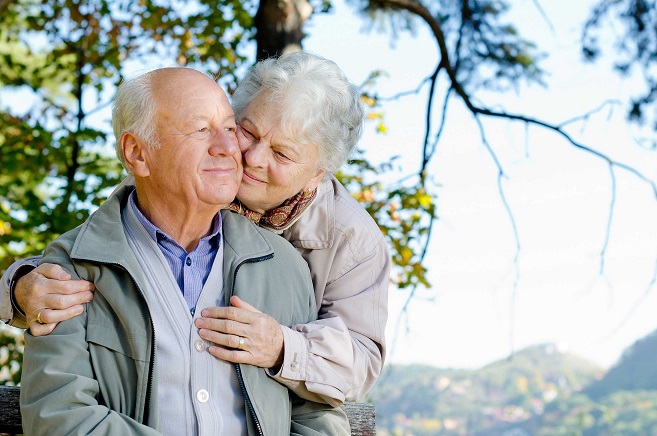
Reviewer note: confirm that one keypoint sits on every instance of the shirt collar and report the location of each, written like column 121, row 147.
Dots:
column 158, row 235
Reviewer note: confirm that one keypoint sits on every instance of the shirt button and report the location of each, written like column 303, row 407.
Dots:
column 199, row 345
column 188, row 261
column 202, row 396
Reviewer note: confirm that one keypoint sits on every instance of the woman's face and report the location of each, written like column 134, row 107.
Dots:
column 275, row 167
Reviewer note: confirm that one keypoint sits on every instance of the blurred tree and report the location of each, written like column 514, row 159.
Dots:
column 61, row 60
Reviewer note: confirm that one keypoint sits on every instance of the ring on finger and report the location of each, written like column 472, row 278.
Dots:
column 240, row 344
column 38, row 317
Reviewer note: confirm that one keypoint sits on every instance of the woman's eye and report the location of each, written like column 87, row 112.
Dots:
column 281, row 155
column 230, row 129
column 202, row 130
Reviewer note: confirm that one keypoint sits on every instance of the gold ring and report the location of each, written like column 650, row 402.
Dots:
column 240, row 345
column 39, row 316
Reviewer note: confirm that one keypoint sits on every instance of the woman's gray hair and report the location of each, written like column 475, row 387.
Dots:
column 317, row 103
column 134, row 111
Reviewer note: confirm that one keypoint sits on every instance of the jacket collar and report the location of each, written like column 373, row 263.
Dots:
column 102, row 238
column 316, row 227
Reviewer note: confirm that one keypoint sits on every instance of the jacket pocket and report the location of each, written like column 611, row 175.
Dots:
column 120, row 365
column 119, row 341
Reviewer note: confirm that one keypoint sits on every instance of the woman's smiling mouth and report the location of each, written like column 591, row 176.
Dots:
column 249, row 178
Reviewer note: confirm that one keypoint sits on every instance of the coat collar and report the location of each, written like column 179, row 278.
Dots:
column 316, row 227
column 102, row 238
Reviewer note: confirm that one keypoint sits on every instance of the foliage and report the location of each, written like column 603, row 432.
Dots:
column 11, row 355
column 635, row 48
column 62, row 60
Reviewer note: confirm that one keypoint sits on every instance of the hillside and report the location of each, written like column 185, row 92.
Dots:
column 636, row 370
column 540, row 391
column 423, row 400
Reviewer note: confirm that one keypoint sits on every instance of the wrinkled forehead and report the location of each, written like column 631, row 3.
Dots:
column 279, row 112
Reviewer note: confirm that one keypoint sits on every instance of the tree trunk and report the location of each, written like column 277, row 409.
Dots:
column 279, row 25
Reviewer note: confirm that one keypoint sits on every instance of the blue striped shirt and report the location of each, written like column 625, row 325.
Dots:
column 190, row 270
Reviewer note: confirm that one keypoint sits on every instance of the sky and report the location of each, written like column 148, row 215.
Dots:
column 560, row 198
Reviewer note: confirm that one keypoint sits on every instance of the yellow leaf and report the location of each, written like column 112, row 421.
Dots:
column 406, row 253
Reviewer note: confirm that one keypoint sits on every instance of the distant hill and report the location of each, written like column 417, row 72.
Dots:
column 423, row 400
column 636, row 370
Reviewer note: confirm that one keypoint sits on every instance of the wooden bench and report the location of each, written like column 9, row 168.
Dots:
column 361, row 415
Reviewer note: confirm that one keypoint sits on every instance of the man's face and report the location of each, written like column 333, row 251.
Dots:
column 198, row 164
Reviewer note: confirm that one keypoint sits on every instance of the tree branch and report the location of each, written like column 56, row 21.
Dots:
column 426, row 156
column 416, row 8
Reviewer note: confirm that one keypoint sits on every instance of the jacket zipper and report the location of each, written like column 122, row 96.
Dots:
column 237, row 365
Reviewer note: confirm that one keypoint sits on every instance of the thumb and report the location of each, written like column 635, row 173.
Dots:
column 236, row 301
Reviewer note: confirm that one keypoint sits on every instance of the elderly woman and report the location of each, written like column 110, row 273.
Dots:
column 299, row 118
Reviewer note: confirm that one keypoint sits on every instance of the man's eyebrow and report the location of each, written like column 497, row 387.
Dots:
column 204, row 117
column 230, row 117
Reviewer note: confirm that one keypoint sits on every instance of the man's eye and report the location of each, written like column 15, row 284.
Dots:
column 202, row 130
column 230, row 129
column 281, row 155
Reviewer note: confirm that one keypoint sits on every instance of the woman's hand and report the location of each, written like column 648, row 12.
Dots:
column 48, row 296
column 243, row 333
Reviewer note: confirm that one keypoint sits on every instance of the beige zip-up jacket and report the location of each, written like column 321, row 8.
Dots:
column 338, row 357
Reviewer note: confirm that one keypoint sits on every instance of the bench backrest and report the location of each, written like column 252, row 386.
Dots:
column 361, row 415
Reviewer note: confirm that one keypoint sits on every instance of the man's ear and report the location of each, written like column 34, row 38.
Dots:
column 135, row 152
column 315, row 180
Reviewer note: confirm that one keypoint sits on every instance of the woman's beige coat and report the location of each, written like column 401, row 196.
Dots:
column 339, row 357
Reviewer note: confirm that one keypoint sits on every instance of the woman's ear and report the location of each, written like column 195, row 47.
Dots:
column 315, row 180
column 134, row 151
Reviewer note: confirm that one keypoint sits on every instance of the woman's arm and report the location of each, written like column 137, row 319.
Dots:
column 340, row 356
column 28, row 290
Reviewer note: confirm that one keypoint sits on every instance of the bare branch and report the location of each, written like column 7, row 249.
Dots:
column 544, row 15
column 585, row 116
column 516, row 266
column 405, row 93
column 425, row 146
column 612, row 204
column 441, row 127
column 419, row 10
column 560, row 131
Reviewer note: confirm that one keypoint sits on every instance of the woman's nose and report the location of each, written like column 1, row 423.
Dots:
column 254, row 154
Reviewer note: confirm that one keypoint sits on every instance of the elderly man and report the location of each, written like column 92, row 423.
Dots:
column 159, row 255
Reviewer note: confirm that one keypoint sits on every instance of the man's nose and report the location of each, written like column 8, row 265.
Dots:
column 224, row 143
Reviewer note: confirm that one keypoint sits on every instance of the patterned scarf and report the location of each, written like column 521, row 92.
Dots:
column 282, row 217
